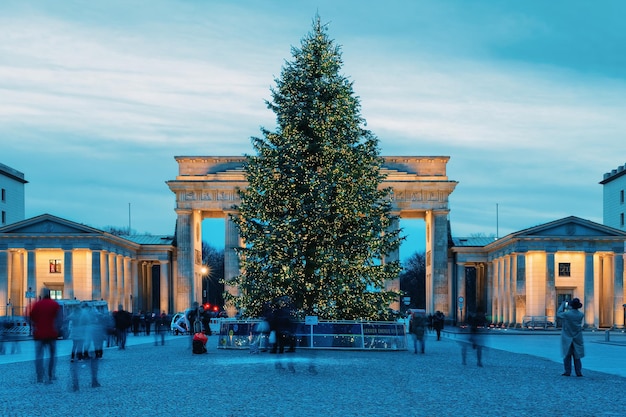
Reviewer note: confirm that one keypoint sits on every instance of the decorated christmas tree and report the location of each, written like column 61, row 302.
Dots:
column 315, row 223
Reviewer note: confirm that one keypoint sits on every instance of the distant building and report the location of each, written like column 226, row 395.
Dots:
column 520, row 280
column 77, row 261
column 11, row 195
column 613, row 206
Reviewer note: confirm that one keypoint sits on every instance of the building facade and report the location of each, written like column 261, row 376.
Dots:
column 206, row 187
column 524, row 276
column 12, row 206
column 613, row 205
column 77, row 261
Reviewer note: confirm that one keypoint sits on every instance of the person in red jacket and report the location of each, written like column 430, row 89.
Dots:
column 43, row 318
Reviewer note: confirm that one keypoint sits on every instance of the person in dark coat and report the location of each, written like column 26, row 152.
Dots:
column 572, row 346
column 438, row 320
column 282, row 324
column 43, row 317
column 123, row 321
column 417, row 327
column 160, row 328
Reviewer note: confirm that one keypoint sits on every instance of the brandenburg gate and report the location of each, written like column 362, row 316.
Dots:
column 206, row 187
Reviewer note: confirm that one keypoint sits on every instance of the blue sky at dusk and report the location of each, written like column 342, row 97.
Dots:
column 528, row 98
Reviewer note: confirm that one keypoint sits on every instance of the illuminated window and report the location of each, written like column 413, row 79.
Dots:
column 56, row 294
column 564, row 269
column 55, row 266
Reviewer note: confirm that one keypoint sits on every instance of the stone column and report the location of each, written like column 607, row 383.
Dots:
column 147, row 298
column 513, row 294
column 489, row 289
column 440, row 260
column 31, row 278
column 231, row 261
column 68, row 280
column 128, row 283
column 460, row 292
column 184, row 279
column 134, row 266
column 393, row 256
column 520, row 288
column 4, row 278
column 618, row 290
column 96, row 274
column 551, row 306
column 113, row 281
column 106, row 279
column 165, row 284
column 589, row 303
column 506, row 289
column 498, row 291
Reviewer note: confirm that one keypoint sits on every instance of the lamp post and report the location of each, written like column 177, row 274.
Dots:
column 206, row 273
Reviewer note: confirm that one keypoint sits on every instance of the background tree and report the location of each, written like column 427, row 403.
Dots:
column 213, row 282
column 315, row 223
column 413, row 280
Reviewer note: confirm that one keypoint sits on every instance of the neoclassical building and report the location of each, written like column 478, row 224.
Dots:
column 614, row 198
column 78, row 261
column 206, row 187
column 11, row 195
column 530, row 272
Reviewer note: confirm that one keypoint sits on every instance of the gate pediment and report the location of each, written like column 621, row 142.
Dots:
column 47, row 224
column 570, row 227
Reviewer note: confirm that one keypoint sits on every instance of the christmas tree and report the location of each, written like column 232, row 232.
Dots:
column 314, row 221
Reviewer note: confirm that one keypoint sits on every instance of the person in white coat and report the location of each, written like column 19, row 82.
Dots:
column 572, row 346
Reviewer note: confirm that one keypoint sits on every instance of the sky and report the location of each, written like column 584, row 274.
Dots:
column 527, row 98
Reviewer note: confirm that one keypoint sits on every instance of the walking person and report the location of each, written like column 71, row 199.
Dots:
column 438, row 321
column 572, row 346
column 475, row 337
column 122, row 323
column 44, row 316
column 92, row 330
column 160, row 327
column 417, row 327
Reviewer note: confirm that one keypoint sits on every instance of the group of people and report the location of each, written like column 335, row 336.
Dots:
column 418, row 321
column 572, row 346
column 91, row 328
column 276, row 332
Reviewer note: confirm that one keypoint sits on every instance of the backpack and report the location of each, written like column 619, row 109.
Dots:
column 197, row 347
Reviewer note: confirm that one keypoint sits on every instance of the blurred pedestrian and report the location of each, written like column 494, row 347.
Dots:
column 80, row 318
column 160, row 327
column 150, row 316
column 122, row 323
column 417, row 327
column 91, row 328
column 43, row 318
column 438, row 321
column 474, row 337
column 572, row 346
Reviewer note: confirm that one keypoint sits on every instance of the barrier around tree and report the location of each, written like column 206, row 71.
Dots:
column 356, row 335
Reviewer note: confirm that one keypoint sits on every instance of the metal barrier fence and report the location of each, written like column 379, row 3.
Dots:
column 15, row 326
column 539, row 322
column 356, row 335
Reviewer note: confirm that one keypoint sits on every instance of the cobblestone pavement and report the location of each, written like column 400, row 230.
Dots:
column 148, row 380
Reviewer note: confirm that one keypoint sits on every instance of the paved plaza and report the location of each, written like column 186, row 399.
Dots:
column 521, row 376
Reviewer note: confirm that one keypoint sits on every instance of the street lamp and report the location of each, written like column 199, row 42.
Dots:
column 206, row 273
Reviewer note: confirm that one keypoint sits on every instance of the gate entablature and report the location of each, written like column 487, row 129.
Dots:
column 206, row 187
